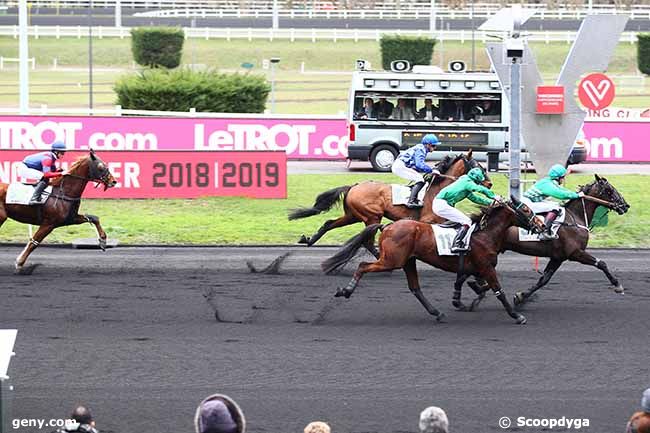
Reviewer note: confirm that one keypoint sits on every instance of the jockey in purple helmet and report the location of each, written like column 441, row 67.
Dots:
column 410, row 165
column 42, row 166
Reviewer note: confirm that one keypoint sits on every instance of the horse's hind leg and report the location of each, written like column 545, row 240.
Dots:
column 92, row 219
column 327, row 226
column 587, row 259
column 490, row 275
column 34, row 242
column 363, row 268
column 550, row 269
column 414, row 286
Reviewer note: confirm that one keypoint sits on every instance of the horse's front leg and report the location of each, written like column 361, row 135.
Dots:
column 34, row 242
column 94, row 220
column 490, row 275
column 587, row 259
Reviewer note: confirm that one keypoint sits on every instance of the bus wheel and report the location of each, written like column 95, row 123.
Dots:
column 382, row 157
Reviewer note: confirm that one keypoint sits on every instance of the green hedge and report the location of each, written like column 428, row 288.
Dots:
column 643, row 53
column 418, row 51
column 180, row 90
column 157, row 46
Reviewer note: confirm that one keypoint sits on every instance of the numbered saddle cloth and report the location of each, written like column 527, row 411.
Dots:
column 527, row 236
column 19, row 193
column 445, row 236
column 401, row 194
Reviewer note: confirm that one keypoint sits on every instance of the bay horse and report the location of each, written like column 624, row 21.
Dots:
column 573, row 237
column 405, row 241
column 61, row 207
column 370, row 201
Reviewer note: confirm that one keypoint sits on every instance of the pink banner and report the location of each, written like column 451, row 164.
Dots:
column 299, row 138
column 617, row 141
column 178, row 174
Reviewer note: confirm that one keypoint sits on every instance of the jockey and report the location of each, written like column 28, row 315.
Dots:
column 410, row 165
column 465, row 187
column 550, row 186
column 42, row 166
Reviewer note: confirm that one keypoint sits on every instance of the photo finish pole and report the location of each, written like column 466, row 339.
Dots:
column 23, row 56
column 515, row 127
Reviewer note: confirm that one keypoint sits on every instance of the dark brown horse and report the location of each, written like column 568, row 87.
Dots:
column 403, row 242
column 62, row 206
column 370, row 201
column 573, row 236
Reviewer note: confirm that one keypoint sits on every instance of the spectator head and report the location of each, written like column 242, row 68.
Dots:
column 317, row 427
column 645, row 401
column 368, row 102
column 401, row 103
column 82, row 415
column 219, row 413
column 433, row 420
column 428, row 102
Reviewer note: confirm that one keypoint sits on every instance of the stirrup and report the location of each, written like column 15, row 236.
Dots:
column 34, row 201
column 459, row 248
column 545, row 236
column 413, row 204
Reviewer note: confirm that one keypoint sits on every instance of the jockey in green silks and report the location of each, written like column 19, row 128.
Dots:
column 465, row 187
column 550, row 186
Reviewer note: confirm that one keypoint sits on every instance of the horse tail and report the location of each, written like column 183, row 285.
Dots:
column 324, row 202
column 349, row 250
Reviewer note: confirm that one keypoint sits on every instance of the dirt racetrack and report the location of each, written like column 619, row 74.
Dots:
column 131, row 332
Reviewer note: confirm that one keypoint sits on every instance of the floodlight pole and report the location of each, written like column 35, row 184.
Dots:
column 23, row 48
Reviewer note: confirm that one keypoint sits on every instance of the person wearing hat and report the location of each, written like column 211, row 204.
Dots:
column 219, row 413
column 410, row 165
column 433, row 420
column 444, row 205
column 42, row 166
column 81, row 421
column 640, row 421
column 549, row 186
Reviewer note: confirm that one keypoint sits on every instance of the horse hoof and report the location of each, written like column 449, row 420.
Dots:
column 519, row 298
column 521, row 319
column 102, row 244
column 25, row 270
column 619, row 289
column 341, row 293
column 458, row 305
column 303, row 240
column 475, row 304
column 440, row 318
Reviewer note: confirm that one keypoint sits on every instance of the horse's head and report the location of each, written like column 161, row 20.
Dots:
column 604, row 190
column 93, row 169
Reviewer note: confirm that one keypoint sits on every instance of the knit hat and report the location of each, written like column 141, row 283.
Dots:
column 219, row 414
column 433, row 420
column 317, row 427
column 645, row 401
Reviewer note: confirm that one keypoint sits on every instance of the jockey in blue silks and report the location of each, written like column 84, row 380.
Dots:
column 410, row 165
column 42, row 166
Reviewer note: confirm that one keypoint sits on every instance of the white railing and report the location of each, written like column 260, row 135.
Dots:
column 314, row 35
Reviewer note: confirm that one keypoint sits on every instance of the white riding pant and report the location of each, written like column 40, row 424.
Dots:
column 541, row 206
column 401, row 170
column 443, row 210
column 26, row 174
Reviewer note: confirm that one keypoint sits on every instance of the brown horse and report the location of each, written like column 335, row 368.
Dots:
column 573, row 237
column 370, row 201
column 403, row 242
column 62, row 206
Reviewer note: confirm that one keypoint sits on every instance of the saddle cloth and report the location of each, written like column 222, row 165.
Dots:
column 445, row 238
column 527, row 236
column 401, row 193
column 19, row 193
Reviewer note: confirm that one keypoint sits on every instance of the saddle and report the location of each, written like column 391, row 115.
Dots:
column 19, row 193
column 445, row 235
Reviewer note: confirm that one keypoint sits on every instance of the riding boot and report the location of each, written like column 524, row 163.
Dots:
column 459, row 241
column 413, row 200
column 38, row 191
column 547, row 234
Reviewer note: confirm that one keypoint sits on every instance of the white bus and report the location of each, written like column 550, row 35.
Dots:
column 391, row 111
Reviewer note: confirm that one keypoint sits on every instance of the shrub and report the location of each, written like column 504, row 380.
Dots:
column 157, row 46
column 418, row 51
column 643, row 53
column 180, row 90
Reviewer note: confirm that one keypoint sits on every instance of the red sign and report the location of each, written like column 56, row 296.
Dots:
column 596, row 91
column 550, row 99
column 178, row 174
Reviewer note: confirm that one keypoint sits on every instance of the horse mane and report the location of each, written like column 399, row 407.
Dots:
column 57, row 180
column 582, row 188
column 446, row 163
column 483, row 211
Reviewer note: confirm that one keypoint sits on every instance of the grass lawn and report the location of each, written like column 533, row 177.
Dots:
column 240, row 221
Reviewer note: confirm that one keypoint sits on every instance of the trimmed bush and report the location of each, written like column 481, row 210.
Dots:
column 157, row 46
column 418, row 51
column 643, row 53
column 180, row 90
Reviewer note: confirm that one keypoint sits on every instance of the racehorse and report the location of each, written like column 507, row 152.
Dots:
column 370, row 201
column 405, row 241
column 573, row 236
column 62, row 206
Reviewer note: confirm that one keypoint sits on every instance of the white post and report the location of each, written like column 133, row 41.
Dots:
column 118, row 13
column 23, row 56
column 432, row 17
column 276, row 15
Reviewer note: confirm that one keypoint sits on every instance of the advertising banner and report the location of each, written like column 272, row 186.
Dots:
column 299, row 138
column 177, row 174
column 617, row 141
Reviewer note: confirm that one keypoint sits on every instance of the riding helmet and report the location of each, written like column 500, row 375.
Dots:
column 476, row 174
column 557, row 171
column 58, row 146
column 430, row 139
